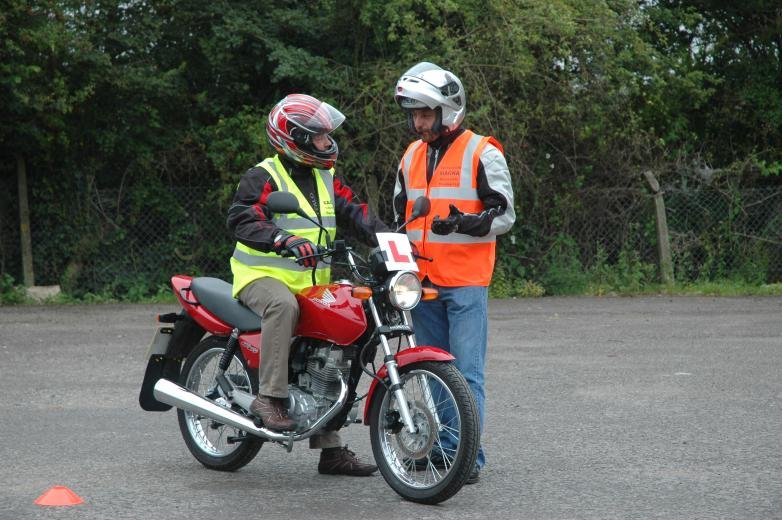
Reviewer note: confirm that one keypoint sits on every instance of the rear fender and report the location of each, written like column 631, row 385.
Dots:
column 404, row 358
column 165, row 360
column 187, row 333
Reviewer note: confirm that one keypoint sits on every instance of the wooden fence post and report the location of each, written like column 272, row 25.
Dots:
column 663, row 239
column 24, row 223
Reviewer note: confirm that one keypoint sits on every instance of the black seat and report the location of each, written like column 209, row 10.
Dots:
column 215, row 295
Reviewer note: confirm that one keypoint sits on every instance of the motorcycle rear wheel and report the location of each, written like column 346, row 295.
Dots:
column 207, row 439
column 426, row 467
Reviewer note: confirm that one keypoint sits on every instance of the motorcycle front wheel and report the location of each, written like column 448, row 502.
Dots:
column 432, row 464
column 215, row 445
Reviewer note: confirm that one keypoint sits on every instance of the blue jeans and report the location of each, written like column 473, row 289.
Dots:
column 457, row 321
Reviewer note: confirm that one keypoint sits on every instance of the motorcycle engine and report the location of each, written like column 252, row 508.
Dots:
column 318, row 372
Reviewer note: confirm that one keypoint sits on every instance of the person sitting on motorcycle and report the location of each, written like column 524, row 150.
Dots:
column 273, row 258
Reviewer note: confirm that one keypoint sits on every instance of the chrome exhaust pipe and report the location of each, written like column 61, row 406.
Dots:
column 171, row 393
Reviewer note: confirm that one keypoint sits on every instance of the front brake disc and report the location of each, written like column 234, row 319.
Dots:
column 418, row 445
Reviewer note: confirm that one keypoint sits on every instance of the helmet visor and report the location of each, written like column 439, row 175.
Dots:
column 319, row 118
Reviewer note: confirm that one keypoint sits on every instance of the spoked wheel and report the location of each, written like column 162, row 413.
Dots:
column 433, row 463
column 216, row 445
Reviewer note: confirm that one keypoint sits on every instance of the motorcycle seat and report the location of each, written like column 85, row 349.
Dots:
column 215, row 295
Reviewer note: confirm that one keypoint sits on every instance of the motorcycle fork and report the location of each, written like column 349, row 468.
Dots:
column 393, row 373
column 425, row 389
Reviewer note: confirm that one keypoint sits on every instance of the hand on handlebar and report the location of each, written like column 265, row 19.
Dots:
column 302, row 249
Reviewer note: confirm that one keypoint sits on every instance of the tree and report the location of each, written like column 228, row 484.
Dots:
column 736, row 48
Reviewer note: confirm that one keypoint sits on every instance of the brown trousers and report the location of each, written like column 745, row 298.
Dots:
column 279, row 310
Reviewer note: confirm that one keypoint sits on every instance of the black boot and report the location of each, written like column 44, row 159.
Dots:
column 475, row 475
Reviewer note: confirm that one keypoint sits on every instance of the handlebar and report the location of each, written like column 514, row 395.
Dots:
column 336, row 247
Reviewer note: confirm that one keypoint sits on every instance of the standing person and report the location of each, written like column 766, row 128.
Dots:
column 298, row 128
column 467, row 180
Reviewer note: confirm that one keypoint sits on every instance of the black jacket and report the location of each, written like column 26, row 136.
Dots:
column 251, row 222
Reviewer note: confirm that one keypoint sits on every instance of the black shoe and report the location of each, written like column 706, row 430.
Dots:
column 342, row 461
column 436, row 460
column 475, row 475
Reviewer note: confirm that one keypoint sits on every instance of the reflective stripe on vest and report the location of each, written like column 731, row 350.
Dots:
column 248, row 264
column 459, row 259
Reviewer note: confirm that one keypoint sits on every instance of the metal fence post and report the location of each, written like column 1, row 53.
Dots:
column 663, row 239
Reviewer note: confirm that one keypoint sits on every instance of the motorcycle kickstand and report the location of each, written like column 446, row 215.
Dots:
column 288, row 445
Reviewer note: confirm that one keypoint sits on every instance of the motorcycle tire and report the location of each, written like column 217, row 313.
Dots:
column 426, row 467
column 207, row 439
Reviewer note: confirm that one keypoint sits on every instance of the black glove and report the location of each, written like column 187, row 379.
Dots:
column 301, row 248
column 449, row 224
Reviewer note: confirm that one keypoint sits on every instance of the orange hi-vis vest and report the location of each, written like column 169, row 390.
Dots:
column 458, row 259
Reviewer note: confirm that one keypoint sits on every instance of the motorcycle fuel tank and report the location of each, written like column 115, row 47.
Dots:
column 331, row 313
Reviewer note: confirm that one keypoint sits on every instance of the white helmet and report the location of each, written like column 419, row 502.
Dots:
column 426, row 85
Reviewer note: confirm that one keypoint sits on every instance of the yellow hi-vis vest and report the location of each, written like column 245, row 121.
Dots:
column 248, row 264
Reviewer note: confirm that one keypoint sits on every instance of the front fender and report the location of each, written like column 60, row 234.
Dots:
column 404, row 358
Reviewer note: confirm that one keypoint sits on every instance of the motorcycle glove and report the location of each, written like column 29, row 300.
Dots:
column 300, row 248
column 449, row 224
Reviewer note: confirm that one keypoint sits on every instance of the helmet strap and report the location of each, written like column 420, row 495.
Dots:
column 410, row 125
column 437, row 127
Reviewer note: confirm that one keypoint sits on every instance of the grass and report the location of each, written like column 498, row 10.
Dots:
column 524, row 289
column 706, row 288
column 726, row 288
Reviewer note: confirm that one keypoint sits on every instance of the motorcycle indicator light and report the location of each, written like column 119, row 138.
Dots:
column 428, row 294
column 404, row 290
column 361, row 293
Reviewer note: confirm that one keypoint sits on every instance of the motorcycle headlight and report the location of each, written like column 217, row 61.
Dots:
column 404, row 290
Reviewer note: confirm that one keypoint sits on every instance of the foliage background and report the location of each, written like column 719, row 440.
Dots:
column 136, row 119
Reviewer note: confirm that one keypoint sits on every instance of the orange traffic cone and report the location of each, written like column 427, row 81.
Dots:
column 59, row 496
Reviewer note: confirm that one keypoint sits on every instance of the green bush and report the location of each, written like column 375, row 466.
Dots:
column 505, row 285
column 563, row 272
column 628, row 275
column 10, row 293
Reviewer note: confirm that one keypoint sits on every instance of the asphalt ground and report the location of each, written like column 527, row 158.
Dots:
column 598, row 408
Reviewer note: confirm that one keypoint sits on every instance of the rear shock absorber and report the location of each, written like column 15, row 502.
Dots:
column 225, row 361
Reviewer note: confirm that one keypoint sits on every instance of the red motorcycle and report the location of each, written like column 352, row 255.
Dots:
column 418, row 405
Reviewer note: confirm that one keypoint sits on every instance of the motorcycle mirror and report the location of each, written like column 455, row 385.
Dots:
column 421, row 208
column 286, row 202
column 282, row 202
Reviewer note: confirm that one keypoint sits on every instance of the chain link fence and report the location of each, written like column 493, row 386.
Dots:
column 181, row 230
column 719, row 233
column 611, row 221
column 129, row 243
